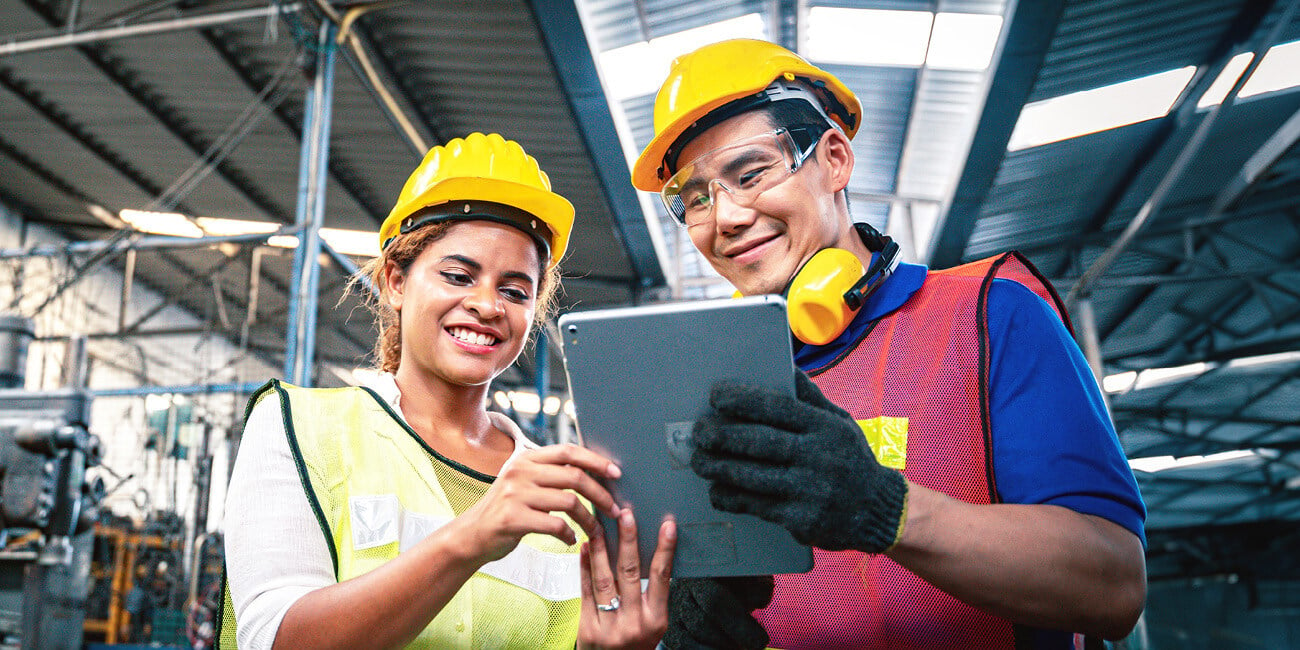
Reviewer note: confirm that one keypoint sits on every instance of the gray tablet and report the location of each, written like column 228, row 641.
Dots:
column 640, row 377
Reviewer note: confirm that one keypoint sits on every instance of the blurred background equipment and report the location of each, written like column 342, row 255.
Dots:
column 46, row 500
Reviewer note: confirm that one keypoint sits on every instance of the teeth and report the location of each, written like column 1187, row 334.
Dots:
column 470, row 336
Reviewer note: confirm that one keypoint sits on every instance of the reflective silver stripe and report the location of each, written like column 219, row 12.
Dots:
column 553, row 576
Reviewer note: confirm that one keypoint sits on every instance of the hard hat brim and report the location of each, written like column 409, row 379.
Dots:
column 554, row 210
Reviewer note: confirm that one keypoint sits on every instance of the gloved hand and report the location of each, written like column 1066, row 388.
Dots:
column 717, row 613
column 801, row 462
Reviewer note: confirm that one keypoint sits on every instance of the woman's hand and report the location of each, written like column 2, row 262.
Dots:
column 615, row 612
column 531, row 486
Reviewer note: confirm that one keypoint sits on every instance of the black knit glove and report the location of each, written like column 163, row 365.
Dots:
column 802, row 463
column 717, row 613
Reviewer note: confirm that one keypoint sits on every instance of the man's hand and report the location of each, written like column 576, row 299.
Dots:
column 716, row 613
column 801, row 462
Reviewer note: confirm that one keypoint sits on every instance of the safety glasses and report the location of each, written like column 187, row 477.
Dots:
column 743, row 169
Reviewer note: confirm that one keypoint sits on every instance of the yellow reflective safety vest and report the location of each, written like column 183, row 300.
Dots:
column 376, row 489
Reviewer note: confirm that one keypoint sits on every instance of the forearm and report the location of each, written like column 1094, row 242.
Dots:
column 384, row 608
column 1039, row 565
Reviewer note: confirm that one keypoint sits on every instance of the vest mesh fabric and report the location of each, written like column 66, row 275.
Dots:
column 926, row 362
column 349, row 444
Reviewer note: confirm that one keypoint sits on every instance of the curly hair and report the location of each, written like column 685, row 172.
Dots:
column 402, row 251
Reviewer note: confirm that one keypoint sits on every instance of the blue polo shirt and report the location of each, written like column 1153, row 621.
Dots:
column 1053, row 440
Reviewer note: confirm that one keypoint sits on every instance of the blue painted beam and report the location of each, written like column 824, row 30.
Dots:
column 1030, row 28
column 571, row 57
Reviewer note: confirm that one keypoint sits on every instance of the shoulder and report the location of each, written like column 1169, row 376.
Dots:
column 511, row 428
column 1015, row 308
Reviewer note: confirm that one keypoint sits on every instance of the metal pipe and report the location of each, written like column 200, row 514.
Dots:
column 1268, row 153
column 367, row 72
column 76, row 363
column 310, row 214
column 254, row 286
column 1186, row 156
column 542, row 380
column 148, row 242
column 184, row 389
column 95, row 336
column 128, row 279
column 1086, row 318
column 177, row 24
column 350, row 268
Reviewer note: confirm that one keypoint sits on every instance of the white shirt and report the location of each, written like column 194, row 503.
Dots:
column 275, row 550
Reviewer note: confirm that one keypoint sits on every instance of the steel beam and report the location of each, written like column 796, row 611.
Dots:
column 1027, row 37
column 185, row 389
column 128, row 31
column 1185, row 157
column 310, row 215
column 571, row 58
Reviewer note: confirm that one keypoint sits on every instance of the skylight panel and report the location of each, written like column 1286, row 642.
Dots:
column 161, row 223
column 963, row 41
column 1162, row 463
column 1279, row 70
column 222, row 227
column 1099, row 109
column 638, row 69
column 1219, row 89
column 951, row 41
column 362, row 243
column 868, row 36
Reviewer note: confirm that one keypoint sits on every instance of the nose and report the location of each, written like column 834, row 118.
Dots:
column 484, row 301
column 729, row 214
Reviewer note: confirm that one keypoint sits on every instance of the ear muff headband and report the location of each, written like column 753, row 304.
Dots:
column 826, row 293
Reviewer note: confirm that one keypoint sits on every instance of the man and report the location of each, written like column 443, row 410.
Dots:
column 971, row 491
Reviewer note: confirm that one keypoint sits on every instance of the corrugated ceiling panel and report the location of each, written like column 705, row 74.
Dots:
column 885, row 94
column 947, row 105
column 1105, row 42
column 616, row 23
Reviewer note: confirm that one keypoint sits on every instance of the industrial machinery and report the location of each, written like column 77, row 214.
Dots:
column 47, row 503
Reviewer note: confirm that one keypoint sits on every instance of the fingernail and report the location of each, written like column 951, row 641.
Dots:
column 614, row 471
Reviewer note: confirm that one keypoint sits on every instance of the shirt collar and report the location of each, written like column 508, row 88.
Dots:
column 896, row 290
column 385, row 386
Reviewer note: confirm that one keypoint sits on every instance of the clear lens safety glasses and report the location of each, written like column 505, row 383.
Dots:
column 743, row 169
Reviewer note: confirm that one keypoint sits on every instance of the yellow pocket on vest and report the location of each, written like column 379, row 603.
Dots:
column 375, row 520
column 888, row 439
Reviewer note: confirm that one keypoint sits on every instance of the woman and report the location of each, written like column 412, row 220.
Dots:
column 404, row 512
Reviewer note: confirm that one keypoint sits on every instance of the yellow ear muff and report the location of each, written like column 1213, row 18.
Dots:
column 815, row 302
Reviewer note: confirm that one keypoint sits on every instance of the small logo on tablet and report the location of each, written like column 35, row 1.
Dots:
column 678, row 435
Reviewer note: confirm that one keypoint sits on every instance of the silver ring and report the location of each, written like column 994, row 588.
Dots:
column 612, row 606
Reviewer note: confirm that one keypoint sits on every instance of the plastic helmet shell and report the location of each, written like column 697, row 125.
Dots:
column 717, row 74
column 483, row 167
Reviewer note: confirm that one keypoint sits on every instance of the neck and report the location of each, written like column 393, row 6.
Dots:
column 443, row 413
column 851, row 240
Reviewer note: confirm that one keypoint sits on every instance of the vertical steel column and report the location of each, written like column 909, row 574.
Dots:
column 543, row 381
column 300, row 341
column 1089, row 340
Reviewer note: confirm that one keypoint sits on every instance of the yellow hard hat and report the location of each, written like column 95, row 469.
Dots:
column 456, row 179
column 715, row 75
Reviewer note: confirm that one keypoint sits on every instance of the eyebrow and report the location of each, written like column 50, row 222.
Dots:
column 514, row 275
column 746, row 158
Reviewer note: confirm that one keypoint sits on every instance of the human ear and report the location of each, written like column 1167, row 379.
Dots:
column 395, row 281
column 835, row 155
